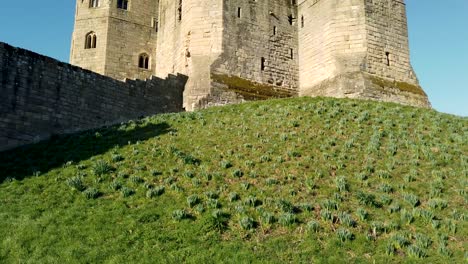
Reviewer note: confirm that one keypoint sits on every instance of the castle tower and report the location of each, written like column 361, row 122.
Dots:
column 231, row 50
column 357, row 49
column 116, row 38
column 189, row 41
column 249, row 50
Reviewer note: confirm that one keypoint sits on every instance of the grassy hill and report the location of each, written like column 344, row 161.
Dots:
column 308, row 180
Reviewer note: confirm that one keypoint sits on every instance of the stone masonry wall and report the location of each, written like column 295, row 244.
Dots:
column 357, row 49
column 122, row 35
column 238, row 50
column 41, row 97
column 332, row 41
column 131, row 33
column 90, row 20
column 256, row 33
column 191, row 44
column 387, row 35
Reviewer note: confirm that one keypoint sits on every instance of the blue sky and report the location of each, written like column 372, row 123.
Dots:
column 438, row 33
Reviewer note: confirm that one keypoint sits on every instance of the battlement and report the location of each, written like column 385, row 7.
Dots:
column 43, row 97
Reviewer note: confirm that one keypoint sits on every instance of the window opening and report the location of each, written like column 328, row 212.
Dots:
column 262, row 64
column 94, row 3
column 122, row 4
column 143, row 61
column 179, row 11
column 291, row 20
column 90, row 40
column 387, row 54
column 155, row 24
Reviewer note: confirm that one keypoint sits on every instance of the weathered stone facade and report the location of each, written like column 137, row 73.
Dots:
column 41, row 97
column 236, row 50
column 122, row 36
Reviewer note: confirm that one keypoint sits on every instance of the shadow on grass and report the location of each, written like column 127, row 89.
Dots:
column 44, row 156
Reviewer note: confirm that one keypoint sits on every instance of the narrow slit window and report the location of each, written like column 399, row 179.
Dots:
column 155, row 24
column 275, row 30
column 94, row 42
column 387, row 55
column 262, row 64
column 302, row 21
column 179, row 11
column 291, row 54
column 239, row 12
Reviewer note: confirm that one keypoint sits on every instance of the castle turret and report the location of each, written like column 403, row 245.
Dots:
column 357, row 49
column 116, row 38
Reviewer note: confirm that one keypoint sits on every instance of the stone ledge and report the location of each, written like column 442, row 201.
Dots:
column 360, row 85
column 250, row 90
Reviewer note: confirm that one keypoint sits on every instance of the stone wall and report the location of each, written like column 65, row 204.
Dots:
column 41, row 97
column 332, row 37
column 189, row 43
column 131, row 33
column 259, row 58
column 387, row 40
column 357, row 49
column 90, row 20
column 237, row 50
column 122, row 36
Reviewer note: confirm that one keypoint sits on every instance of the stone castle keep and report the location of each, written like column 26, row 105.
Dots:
column 235, row 50
column 143, row 57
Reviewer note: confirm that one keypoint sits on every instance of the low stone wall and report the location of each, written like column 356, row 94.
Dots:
column 40, row 97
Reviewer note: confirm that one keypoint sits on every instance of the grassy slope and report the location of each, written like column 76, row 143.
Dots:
column 305, row 171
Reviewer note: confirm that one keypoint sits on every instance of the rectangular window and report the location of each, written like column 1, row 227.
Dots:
column 291, row 20
column 122, row 4
column 262, row 64
column 239, row 12
column 291, row 54
column 275, row 30
column 94, row 3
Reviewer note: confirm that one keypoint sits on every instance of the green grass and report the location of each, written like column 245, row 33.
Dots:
column 304, row 180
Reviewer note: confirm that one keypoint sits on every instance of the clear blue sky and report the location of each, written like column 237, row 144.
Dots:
column 438, row 40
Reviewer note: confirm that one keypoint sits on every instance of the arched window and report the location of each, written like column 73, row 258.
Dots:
column 91, row 40
column 94, row 3
column 143, row 61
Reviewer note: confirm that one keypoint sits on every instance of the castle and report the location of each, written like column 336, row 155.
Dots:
column 235, row 50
